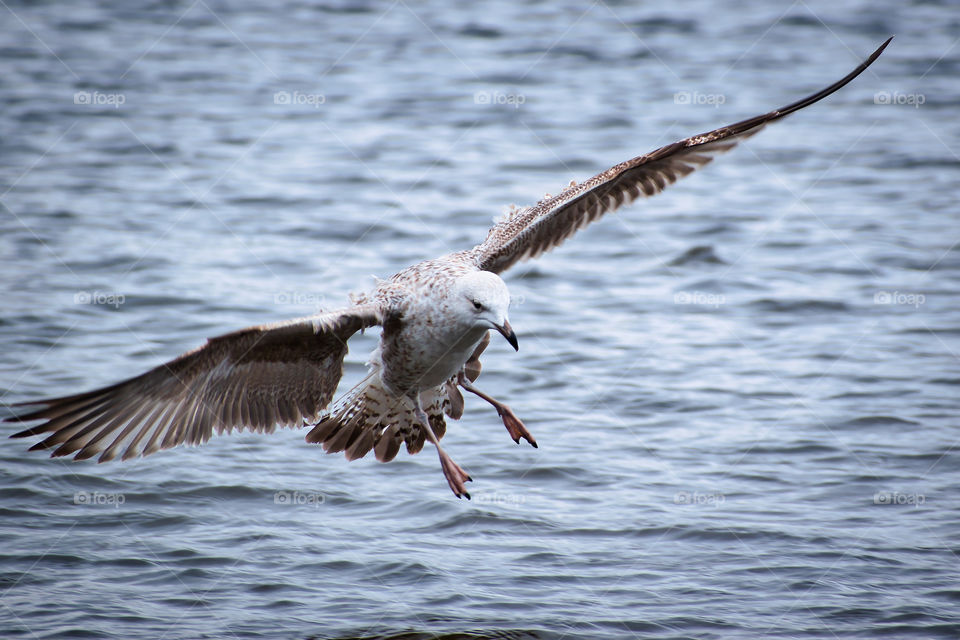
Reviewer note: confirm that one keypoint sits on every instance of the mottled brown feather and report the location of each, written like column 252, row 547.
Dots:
column 532, row 231
column 252, row 379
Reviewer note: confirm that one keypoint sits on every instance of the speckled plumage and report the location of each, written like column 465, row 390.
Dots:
column 435, row 318
column 421, row 350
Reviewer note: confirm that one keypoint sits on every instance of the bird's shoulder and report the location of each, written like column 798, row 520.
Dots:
column 420, row 290
column 426, row 279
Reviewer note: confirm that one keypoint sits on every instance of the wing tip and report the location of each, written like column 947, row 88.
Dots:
column 876, row 54
column 27, row 416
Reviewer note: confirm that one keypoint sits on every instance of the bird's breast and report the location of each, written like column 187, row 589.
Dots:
column 425, row 355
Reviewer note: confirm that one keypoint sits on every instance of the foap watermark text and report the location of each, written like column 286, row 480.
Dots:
column 696, row 98
column 299, row 498
column 907, row 298
column 713, row 498
column 106, row 298
column 299, row 99
column 99, row 499
column 99, row 99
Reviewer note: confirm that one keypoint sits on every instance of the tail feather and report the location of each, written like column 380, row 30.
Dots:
column 369, row 418
column 388, row 445
column 362, row 445
column 322, row 430
column 341, row 439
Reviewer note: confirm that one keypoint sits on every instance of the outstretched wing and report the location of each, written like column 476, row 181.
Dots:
column 255, row 379
column 532, row 231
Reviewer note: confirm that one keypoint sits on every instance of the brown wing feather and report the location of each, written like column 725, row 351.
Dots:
column 534, row 230
column 255, row 379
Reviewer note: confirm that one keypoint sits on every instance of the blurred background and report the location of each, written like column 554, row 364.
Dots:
column 744, row 390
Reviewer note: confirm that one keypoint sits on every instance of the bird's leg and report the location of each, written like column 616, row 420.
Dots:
column 514, row 425
column 454, row 474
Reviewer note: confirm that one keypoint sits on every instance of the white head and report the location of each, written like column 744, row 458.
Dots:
column 484, row 296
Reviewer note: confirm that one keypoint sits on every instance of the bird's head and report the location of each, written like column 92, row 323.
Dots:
column 483, row 296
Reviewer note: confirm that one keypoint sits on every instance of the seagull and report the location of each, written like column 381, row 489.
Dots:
column 435, row 319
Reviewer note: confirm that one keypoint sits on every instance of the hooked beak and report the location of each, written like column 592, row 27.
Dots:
column 507, row 332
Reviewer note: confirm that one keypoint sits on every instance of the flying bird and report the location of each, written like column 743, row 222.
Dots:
column 435, row 319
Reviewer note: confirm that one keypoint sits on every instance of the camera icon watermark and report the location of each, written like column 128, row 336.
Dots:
column 499, row 98
column 98, row 99
column 299, row 498
column 500, row 498
column 897, row 498
column 714, row 498
column 299, row 98
column 699, row 99
column 97, row 498
column 899, row 98
column 106, row 298
column 301, row 298
column 699, row 298
column 906, row 298
column 518, row 300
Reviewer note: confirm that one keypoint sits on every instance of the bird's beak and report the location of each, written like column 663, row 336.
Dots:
column 507, row 332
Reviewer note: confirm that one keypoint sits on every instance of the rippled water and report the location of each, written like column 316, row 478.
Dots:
column 745, row 390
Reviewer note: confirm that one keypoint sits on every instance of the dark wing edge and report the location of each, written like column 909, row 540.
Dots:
column 529, row 232
column 254, row 379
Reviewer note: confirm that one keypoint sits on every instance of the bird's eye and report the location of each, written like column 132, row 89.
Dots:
column 477, row 305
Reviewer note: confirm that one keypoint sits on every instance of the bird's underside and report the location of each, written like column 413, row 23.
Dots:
column 434, row 319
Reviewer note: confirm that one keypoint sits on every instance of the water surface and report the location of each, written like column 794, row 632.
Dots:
column 745, row 390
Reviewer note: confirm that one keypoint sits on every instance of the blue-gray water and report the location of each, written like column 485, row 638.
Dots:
column 755, row 439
